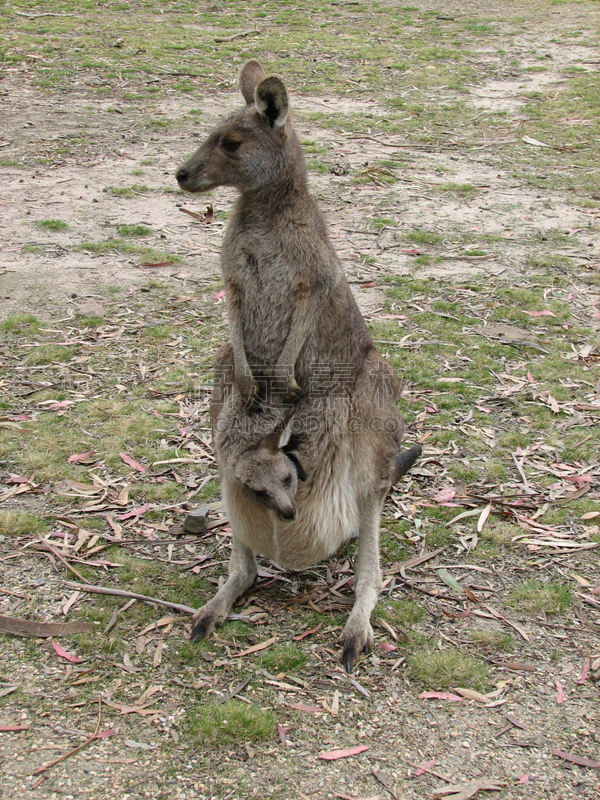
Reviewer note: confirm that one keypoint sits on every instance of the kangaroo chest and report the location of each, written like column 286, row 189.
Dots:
column 259, row 290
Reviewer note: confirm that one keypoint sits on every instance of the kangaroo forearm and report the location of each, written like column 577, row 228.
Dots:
column 302, row 322
column 239, row 349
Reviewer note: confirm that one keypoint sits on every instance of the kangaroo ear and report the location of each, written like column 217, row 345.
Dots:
column 281, row 436
column 251, row 75
column 271, row 100
column 299, row 468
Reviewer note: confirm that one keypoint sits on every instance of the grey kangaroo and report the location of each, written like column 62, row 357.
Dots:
column 307, row 461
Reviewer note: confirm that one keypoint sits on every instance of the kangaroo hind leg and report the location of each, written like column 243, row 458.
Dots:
column 358, row 633
column 242, row 572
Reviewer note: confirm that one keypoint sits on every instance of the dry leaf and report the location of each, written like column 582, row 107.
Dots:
column 560, row 692
column 80, row 457
column 440, row 696
column 304, row 707
column 584, row 672
column 483, row 517
column 471, row 694
column 25, row 627
column 581, row 760
column 158, row 654
column 463, row 791
column 133, row 463
column 332, row 755
column 60, row 651
column 256, row 648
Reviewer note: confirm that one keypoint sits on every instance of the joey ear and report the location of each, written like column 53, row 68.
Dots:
column 251, row 75
column 299, row 468
column 271, row 101
column 282, row 434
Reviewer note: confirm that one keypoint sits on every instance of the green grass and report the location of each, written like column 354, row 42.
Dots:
column 51, row 224
column 421, row 236
column 216, row 724
column 22, row 523
column 493, row 641
column 448, row 669
column 533, row 597
column 46, row 354
column 401, row 612
column 284, row 658
column 20, row 323
column 135, row 230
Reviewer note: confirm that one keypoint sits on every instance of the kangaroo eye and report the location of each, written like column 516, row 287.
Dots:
column 288, row 480
column 230, row 145
column 260, row 494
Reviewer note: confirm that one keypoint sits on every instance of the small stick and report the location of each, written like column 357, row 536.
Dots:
column 49, row 547
column 77, row 749
column 521, row 472
column 122, row 593
column 235, row 36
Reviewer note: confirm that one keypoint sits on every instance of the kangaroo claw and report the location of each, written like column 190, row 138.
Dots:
column 349, row 658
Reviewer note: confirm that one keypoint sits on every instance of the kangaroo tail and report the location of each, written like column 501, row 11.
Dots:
column 405, row 461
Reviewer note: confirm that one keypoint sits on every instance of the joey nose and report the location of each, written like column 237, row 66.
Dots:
column 182, row 175
column 289, row 514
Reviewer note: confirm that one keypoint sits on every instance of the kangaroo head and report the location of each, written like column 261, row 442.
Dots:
column 270, row 472
column 251, row 147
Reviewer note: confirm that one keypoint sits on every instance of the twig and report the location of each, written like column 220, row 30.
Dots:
column 431, row 772
column 235, row 36
column 522, row 472
column 49, row 547
column 37, row 16
column 77, row 749
column 122, row 593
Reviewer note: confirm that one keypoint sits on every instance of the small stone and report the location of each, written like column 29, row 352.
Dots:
column 90, row 310
column 196, row 520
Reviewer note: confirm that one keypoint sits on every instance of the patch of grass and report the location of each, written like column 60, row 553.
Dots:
column 283, row 658
column 121, row 191
column 493, row 641
column 457, row 188
column 21, row 523
column 51, row 224
column 48, row 353
column 124, row 246
column 19, row 323
column 316, row 165
column 220, row 724
column 447, row 669
column 402, row 612
column 533, row 597
column 421, row 236
column 135, row 230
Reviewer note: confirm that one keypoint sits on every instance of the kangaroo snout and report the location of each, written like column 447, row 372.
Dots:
column 288, row 514
column 182, row 175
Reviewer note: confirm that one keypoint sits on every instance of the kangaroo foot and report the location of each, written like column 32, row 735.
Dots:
column 205, row 621
column 356, row 639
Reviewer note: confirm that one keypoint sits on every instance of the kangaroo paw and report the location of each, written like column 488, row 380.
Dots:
column 292, row 392
column 204, row 623
column 356, row 640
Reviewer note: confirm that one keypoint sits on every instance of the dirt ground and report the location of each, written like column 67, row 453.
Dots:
column 109, row 164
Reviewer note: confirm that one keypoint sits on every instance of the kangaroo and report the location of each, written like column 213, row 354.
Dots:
column 288, row 302
column 294, row 488
column 297, row 484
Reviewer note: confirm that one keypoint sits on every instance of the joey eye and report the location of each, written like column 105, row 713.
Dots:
column 230, row 145
column 288, row 481
column 259, row 494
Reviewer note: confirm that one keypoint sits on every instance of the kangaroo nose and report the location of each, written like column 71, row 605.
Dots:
column 182, row 175
column 289, row 514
